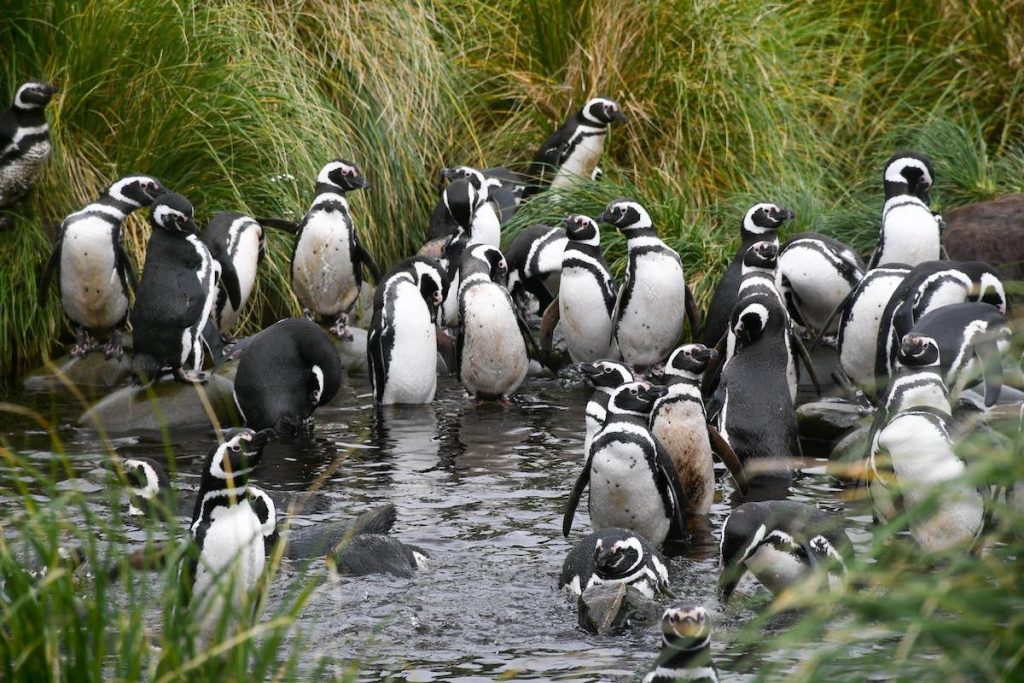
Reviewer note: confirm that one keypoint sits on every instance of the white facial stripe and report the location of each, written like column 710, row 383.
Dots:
column 748, row 219
column 757, row 309
column 894, row 171
column 754, row 543
column 319, row 374
column 152, row 482
column 325, row 172
column 117, row 189
column 165, row 215
column 217, row 466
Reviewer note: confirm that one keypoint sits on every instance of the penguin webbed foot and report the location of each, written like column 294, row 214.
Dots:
column 113, row 347
column 84, row 344
column 340, row 328
column 190, row 376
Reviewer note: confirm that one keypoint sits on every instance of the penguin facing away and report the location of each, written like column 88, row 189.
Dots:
column 586, row 293
column 535, row 263
column 24, row 140
column 605, row 377
column 614, row 556
column 237, row 243
column 685, row 647
column 910, row 232
column 814, row 274
column 149, row 485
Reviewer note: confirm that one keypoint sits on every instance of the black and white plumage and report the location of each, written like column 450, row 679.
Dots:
column 760, row 223
column 93, row 271
column 462, row 201
column 814, row 274
column 401, row 348
column 328, row 261
column 633, row 484
column 571, row 153
column 236, row 242
column 614, row 556
column 149, row 485
column 685, row 646
column 535, row 263
column 176, row 294
column 24, row 140
column 654, row 301
column 285, row 373
column 605, row 377
column 485, row 222
column 910, row 233
column 586, row 294
column 780, row 542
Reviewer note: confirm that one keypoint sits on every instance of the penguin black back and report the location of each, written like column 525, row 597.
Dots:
column 24, row 140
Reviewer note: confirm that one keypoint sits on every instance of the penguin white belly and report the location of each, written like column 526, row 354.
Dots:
column 90, row 288
column 486, row 226
column 946, row 293
column 324, row 278
column 450, row 307
column 775, row 569
column 860, row 334
column 207, row 274
column 815, row 283
column 245, row 260
column 623, row 493
column 233, row 556
column 911, row 235
column 585, row 323
column 652, row 322
column 17, row 177
column 579, row 166
column 681, row 428
column 494, row 359
column 412, row 365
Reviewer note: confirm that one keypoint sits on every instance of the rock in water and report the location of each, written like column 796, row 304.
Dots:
column 828, row 419
column 172, row 405
column 608, row 608
column 93, row 371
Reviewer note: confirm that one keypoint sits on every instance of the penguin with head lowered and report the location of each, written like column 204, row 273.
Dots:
column 614, row 556
column 93, row 270
column 814, row 274
column 685, row 646
column 485, row 223
column 910, row 233
column 586, row 293
column 328, row 261
column 24, row 140
column 535, row 263
column 149, row 485
column 461, row 200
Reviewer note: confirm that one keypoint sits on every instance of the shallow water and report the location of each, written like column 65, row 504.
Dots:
column 481, row 489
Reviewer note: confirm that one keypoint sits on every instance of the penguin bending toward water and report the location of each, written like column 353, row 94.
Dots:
column 586, row 294
column 605, row 376
column 328, row 261
column 535, row 263
column 24, row 140
column 814, row 273
column 910, row 233
column 685, row 646
column 614, row 556
column 93, row 270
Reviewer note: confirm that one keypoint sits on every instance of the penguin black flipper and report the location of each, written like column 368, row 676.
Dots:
column 806, row 358
column 212, row 341
column 363, row 257
column 548, row 323
column 677, row 531
column 547, row 159
column 728, row 456
column 575, row 495
column 376, row 342
column 229, row 278
column 991, row 362
column 692, row 312
column 528, row 338
column 52, row 264
column 125, row 270
column 839, row 309
column 279, row 224
column 713, row 372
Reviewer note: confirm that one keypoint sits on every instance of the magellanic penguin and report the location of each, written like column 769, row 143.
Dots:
column 24, row 140
column 654, row 300
column 401, row 349
column 176, row 294
column 614, row 556
column 911, row 233
column 571, row 153
column 150, row 487
column 535, row 263
column 236, row 241
column 285, row 373
column 760, row 223
column 814, row 274
column 781, row 542
column 93, row 270
column 633, row 484
column 328, row 261
column 685, row 646
column 485, row 222
column 605, row 376
column 680, row 425
column 586, row 294
column 461, row 200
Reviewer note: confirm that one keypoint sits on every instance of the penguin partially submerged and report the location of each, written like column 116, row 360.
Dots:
column 24, row 140
column 150, row 487
column 685, row 646
column 910, row 233
column 614, row 555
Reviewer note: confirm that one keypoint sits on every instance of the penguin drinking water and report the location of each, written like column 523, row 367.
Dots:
column 93, row 270
column 586, row 294
column 910, row 232
column 24, row 140
column 685, row 646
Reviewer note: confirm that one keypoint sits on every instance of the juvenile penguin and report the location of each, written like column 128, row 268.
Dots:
column 654, row 300
column 485, row 223
column 910, row 233
column 780, row 542
column 605, row 376
column 586, row 294
column 614, row 556
column 24, row 140
column 814, row 274
column 328, row 261
column 633, row 484
column 760, row 223
column 685, row 646
column 236, row 242
column 401, row 348
column 288, row 370
column 571, row 153
column 176, row 294
column 93, row 270
column 535, row 263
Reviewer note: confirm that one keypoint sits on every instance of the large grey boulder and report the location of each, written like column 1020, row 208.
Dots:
column 93, row 371
column 166, row 404
column 991, row 231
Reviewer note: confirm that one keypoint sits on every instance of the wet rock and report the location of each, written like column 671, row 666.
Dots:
column 172, row 405
column 852, row 447
column 612, row 607
column 828, row 419
column 93, row 371
column 991, row 231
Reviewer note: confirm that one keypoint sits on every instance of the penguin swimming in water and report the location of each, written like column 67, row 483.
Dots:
column 685, row 646
column 485, row 223
column 535, row 263
column 780, row 542
column 910, row 233
column 814, row 274
column 614, row 556
column 654, row 300
column 93, row 270
column 288, row 370
column 401, row 348
column 176, row 294
column 605, row 376
column 328, row 261
column 586, row 294
column 237, row 242
column 571, row 153
column 633, row 484
column 24, row 140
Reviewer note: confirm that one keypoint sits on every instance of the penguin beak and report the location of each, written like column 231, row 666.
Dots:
column 364, row 184
column 654, row 392
column 52, row 89
column 705, row 355
column 190, row 227
column 786, row 215
column 605, row 217
column 619, row 116
column 262, row 438
column 447, row 173
column 589, row 370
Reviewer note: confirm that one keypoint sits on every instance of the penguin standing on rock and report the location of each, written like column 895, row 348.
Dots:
column 93, row 270
column 814, row 274
column 614, row 556
column 586, row 293
column 685, row 647
column 24, row 140
column 911, row 233
column 236, row 241
column 328, row 261
column 176, row 294
column 605, row 376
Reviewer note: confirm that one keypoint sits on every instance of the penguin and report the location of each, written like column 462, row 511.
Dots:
column 486, row 221
column 614, row 556
column 680, row 425
column 285, row 373
column 910, row 233
column 605, row 377
column 586, row 294
column 780, row 542
column 461, row 200
column 760, row 223
column 176, row 294
column 685, row 646
column 328, row 261
column 93, row 270
column 654, row 299
column 535, row 263
column 814, row 273
column 237, row 243
column 150, row 487
column 401, row 348
column 24, row 140
column 646, row 499
column 364, row 554
column 570, row 154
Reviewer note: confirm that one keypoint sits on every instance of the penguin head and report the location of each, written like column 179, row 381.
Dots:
column 583, row 229
column 918, row 351
column 607, row 374
column 147, row 480
column 173, row 213
column 602, row 111
column 635, row 398
column 475, row 178
column 462, row 200
column 136, row 190
column 342, row 175
column 266, row 511
column 689, row 361
column 617, row 560
column 626, row 215
column 909, row 173
column 685, row 626
column 432, row 281
column 596, row 174
column 34, row 95
column 762, row 255
column 750, row 318
column 986, row 286
column 765, row 218
column 483, row 258
column 229, row 463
